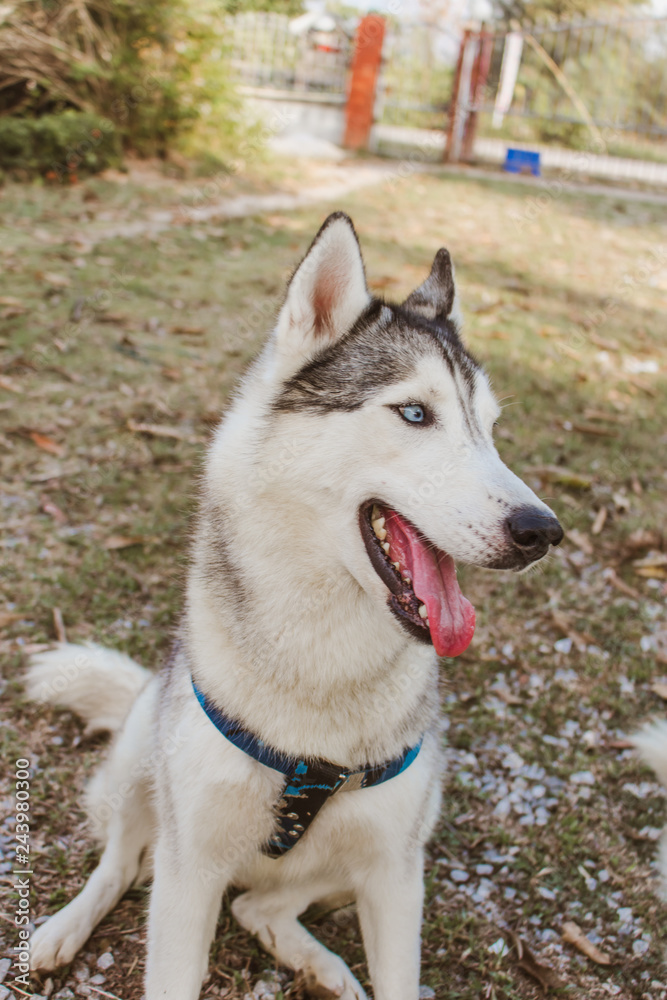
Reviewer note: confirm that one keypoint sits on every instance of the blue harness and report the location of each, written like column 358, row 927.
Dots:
column 308, row 783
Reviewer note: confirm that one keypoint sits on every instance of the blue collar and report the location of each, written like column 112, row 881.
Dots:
column 309, row 783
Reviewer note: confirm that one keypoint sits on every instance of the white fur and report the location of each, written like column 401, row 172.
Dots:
column 75, row 677
column 651, row 741
column 313, row 662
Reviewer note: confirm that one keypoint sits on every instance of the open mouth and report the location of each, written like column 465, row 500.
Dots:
column 424, row 593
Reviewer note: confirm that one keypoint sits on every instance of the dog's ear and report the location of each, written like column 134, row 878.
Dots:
column 436, row 298
column 327, row 292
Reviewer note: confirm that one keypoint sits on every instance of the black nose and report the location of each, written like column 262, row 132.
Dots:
column 534, row 531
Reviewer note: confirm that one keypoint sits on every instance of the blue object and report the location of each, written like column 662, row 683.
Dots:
column 522, row 161
column 308, row 783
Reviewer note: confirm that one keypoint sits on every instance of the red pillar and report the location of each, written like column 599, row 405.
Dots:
column 365, row 70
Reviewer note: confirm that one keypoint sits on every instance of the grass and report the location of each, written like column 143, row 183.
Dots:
column 100, row 336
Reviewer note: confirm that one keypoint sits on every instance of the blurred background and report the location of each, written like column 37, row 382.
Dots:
column 163, row 165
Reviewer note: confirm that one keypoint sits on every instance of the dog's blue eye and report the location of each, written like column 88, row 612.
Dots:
column 414, row 414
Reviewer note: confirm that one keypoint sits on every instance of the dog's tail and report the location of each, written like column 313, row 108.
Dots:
column 651, row 741
column 99, row 685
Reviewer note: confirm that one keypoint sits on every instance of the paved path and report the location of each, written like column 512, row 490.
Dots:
column 579, row 164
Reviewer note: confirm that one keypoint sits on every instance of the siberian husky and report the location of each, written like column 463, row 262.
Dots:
column 291, row 744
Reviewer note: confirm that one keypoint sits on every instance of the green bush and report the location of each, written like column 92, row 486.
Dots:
column 58, row 146
column 156, row 69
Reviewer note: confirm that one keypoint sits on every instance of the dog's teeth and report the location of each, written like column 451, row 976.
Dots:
column 423, row 613
column 396, row 565
column 379, row 529
column 375, row 513
column 385, row 546
column 407, row 577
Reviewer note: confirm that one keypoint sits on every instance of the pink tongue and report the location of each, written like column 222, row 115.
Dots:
column 451, row 616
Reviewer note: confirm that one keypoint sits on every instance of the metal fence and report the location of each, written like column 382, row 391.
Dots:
column 572, row 77
column 416, row 78
column 266, row 53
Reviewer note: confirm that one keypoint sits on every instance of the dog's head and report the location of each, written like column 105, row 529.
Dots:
column 391, row 424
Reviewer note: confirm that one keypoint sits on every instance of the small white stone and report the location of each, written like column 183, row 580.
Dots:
column 563, row 645
column 457, row 875
column 484, row 869
column 582, row 778
column 105, row 961
column 546, row 893
column 640, row 947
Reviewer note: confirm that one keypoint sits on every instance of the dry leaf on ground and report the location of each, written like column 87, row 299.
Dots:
column 544, row 974
column 643, row 538
column 599, row 522
column 660, row 688
column 581, row 540
column 8, row 617
column 9, row 384
column 160, row 430
column 653, row 566
column 124, row 541
column 49, row 507
column 46, row 443
column 573, row 934
column 55, row 280
column 558, row 474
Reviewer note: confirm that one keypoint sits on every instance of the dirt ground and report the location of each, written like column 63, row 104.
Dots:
column 126, row 319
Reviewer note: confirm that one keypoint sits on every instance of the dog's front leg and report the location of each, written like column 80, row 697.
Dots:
column 390, row 900
column 184, row 906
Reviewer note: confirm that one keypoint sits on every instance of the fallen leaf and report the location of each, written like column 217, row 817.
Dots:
column 613, row 418
column 50, row 508
column 117, row 318
column 653, row 566
column 382, row 282
column 581, row 540
column 660, row 688
column 46, row 443
column 9, row 300
column 59, row 625
column 9, row 384
column 621, row 502
column 11, row 312
column 7, row 617
column 599, row 522
column 55, row 280
column 559, row 474
column 189, row 331
column 526, row 961
column 573, row 934
column 625, row 588
column 561, row 621
column 594, row 429
column 606, row 345
column 644, row 538
column 123, row 541
column 159, row 430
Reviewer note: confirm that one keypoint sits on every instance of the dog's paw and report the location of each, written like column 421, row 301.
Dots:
column 329, row 983
column 55, row 943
